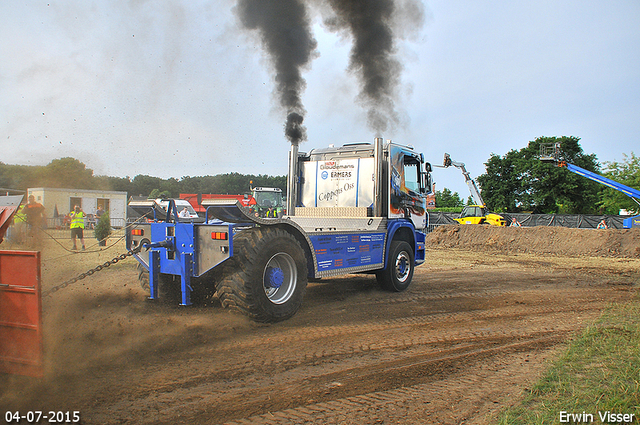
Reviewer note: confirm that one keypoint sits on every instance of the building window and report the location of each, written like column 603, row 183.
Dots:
column 104, row 203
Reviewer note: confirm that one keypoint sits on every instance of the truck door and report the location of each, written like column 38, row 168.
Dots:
column 406, row 189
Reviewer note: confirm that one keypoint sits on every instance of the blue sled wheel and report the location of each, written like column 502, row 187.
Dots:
column 399, row 272
column 280, row 278
column 268, row 277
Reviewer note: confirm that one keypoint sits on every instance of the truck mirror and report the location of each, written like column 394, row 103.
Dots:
column 425, row 182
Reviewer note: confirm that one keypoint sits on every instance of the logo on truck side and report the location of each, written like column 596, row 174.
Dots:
column 327, row 196
column 332, row 165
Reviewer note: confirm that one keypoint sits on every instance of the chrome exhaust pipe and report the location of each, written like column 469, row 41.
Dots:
column 377, row 182
column 292, row 180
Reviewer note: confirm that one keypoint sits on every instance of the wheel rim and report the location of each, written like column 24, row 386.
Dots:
column 280, row 278
column 403, row 266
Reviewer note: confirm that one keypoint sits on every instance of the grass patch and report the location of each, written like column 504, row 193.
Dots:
column 600, row 372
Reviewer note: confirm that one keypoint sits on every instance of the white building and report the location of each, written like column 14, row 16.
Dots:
column 62, row 201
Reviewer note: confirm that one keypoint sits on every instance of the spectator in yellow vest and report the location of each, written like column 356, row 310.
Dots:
column 77, row 225
column 19, row 223
column 271, row 213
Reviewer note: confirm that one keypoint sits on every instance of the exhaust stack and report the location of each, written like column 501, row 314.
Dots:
column 292, row 180
column 377, row 182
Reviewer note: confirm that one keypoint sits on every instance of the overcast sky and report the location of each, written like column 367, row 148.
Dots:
column 177, row 88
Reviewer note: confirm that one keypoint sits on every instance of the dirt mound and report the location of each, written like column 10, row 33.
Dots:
column 624, row 243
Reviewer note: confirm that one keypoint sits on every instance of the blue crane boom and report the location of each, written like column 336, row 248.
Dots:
column 629, row 191
column 550, row 152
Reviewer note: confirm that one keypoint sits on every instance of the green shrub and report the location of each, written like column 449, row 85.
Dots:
column 103, row 228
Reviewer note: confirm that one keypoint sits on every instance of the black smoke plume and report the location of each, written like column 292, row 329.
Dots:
column 371, row 24
column 293, row 129
column 285, row 31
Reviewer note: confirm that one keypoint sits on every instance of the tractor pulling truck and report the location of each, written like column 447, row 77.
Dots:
column 268, row 202
column 360, row 208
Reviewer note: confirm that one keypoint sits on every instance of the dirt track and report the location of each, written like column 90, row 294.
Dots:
column 473, row 331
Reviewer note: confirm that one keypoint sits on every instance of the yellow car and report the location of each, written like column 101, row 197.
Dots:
column 476, row 214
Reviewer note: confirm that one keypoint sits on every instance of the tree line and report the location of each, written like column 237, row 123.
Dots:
column 70, row 173
column 515, row 182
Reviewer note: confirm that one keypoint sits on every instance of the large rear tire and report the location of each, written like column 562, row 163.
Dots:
column 269, row 277
column 399, row 272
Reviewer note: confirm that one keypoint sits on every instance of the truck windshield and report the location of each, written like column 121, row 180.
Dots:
column 180, row 205
column 187, row 206
column 268, row 199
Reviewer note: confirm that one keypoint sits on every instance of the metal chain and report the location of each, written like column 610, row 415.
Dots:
column 92, row 271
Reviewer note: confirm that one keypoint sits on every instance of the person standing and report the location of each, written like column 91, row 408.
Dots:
column 77, row 225
column 19, row 224
column 34, row 212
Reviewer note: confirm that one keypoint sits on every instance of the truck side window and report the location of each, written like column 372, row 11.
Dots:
column 411, row 174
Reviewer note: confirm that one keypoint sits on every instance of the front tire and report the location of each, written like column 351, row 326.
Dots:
column 270, row 276
column 399, row 272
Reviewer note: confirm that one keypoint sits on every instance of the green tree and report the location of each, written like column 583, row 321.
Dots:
column 626, row 172
column 170, row 186
column 446, row 199
column 157, row 193
column 553, row 189
column 66, row 173
column 120, row 184
column 20, row 177
column 520, row 181
column 142, row 185
column 501, row 184
column 230, row 183
column 234, row 183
